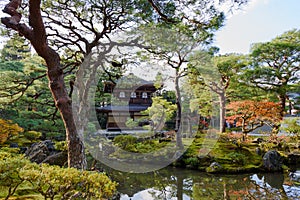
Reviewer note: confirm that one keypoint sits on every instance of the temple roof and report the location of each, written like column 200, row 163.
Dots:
column 130, row 81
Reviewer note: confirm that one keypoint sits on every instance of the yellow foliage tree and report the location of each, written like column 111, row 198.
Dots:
column 8, row 129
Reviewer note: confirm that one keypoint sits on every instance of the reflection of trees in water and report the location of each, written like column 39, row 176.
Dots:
column 268, row 186
column 163, row 184
column 213, row 187
column 176, row 183
column 173, row 186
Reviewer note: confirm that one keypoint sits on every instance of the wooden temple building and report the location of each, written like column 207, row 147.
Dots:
column 130, row 96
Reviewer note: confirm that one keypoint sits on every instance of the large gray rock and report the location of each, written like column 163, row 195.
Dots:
column 272, row 161
column 59, row 158
column 44, row 152
column 38, row 151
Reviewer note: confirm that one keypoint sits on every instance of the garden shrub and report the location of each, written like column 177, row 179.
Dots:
column 66, row 183
column 52, row 182
column 32, row 135
column 10, row 151
column 10, row 167
column 124, row 141
column 61, row 146
column 8, row 129
column 132, row 144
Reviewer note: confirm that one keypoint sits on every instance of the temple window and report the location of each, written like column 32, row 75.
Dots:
column 144, row 95
column 122, row 95
column 133, row 95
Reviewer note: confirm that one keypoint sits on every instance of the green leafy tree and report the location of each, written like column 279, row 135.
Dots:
column 9, row 53
column 32, row 135
column 238, row 91
column 201, row 101
column 275, row 65
column 159, row 112
column 172, row 45
column 130, row 123
column 216, row 73
column 20, row 71
column 24, row 94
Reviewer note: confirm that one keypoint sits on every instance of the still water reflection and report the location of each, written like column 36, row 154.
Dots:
column 182, row 184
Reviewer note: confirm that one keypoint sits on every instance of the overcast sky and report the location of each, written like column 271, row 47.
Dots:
column 260, row 21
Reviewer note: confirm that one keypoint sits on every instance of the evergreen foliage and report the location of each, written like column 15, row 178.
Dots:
column 52, row 182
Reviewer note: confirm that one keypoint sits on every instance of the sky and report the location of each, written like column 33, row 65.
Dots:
column 259, row 21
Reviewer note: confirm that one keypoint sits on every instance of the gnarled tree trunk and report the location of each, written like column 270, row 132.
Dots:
column 36, row 34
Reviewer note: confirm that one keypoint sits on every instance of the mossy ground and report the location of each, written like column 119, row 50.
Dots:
column 232, row 158
column 235, row 156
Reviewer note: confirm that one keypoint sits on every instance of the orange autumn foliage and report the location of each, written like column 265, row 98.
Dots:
column 250, row 114
column 8, row 129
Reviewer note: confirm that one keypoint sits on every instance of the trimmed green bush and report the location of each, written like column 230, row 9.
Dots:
column 124, row 141
column 132, row 144
column 52, row 182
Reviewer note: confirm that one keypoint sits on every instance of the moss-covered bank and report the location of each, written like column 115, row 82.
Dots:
column 232, row 155
column 224, row 153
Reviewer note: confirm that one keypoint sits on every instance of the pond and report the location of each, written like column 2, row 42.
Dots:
column 182, row 184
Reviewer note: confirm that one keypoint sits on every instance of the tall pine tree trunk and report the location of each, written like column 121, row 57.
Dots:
column 76, row 155
column 36, row 34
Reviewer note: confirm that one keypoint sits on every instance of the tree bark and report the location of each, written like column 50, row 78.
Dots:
column 221, row 92
column 244, row 131
column 222, row 111
column 36, row 34
column 178, row 113
column 76, row 155
column 282, row 99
